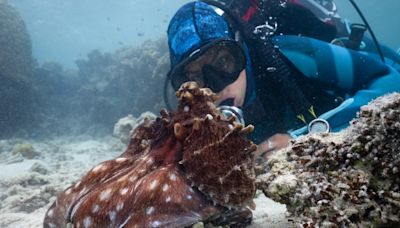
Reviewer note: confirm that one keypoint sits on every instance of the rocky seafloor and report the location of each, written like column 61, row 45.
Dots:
column 33, row 172
column 347, row 179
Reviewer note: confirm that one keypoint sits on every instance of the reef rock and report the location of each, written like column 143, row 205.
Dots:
column 182, row 168
column 25, row 150
column 15, row 44
column 110, row 81
column 123, row 129
column 16, row 64
column 350, row 179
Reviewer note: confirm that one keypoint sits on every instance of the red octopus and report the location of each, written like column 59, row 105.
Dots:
column 185, row 167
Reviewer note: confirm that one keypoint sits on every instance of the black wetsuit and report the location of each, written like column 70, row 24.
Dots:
column 282, row 93
column 333, row 84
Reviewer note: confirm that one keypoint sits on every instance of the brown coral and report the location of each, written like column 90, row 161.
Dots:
column 349, row 179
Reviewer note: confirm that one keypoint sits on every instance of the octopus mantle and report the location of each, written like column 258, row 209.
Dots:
column 184, row 167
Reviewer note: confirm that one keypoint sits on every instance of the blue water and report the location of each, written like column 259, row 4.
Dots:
column 64, row 31
column 382, row 15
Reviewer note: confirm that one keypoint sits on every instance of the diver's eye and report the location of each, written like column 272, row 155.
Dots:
column 225, row 63
column 222, row 61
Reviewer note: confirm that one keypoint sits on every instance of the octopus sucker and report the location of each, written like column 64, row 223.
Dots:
column 184, row 167
column 247, row 130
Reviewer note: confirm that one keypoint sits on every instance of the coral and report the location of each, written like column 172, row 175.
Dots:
column 39, row 168
column 15, row 45
column 184, row 167
column 25, row 150
column 110, row 81
column 104, row 88
column 124, row 127
column 24, row 193
column 15, row 71
column 350, row 179
column 56, row 101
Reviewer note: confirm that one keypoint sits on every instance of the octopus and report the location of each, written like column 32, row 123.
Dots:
column 184, row 167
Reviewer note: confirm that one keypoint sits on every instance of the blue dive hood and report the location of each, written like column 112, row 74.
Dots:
column 194, row 25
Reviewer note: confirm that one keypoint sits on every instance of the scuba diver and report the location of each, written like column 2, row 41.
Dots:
column 291, row 67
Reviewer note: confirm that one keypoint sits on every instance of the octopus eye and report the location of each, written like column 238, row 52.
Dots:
column 178, row 131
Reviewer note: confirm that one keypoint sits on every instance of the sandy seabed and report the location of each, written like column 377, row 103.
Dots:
column 29, row 186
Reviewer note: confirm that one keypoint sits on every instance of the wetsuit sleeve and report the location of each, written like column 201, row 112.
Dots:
column 361, row 76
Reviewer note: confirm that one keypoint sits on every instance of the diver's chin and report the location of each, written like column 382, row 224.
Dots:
column 238, row 103
column 227, row 102
column 231, row 101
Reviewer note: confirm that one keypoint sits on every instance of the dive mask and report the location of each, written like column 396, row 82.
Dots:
column 214, row 66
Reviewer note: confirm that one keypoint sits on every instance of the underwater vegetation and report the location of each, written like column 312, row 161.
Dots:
column 184, row 167
column 350, row 179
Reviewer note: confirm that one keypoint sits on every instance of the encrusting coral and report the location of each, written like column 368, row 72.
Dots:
column 184, row 167
column 350, row 179
column 25, row 150
column 123, row 129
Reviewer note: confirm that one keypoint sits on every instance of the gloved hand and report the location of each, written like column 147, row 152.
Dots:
column 272, row 144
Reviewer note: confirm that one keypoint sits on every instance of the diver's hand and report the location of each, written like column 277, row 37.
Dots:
column 273, row 144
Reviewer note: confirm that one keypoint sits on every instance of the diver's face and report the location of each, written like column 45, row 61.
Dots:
column 235, row 91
